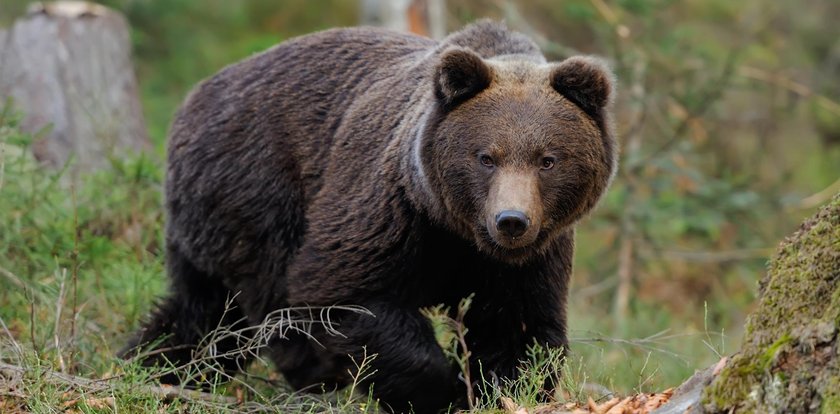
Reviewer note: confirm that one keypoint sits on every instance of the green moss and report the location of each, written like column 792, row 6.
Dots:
column 831, row 398
column 737, row 390
column 770, row 353
column 742, row 372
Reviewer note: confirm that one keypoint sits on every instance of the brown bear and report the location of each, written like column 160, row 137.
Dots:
column 368, row 167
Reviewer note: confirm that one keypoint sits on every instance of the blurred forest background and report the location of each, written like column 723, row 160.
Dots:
column 727, row 114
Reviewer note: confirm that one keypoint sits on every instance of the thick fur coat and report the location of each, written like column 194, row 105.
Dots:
column 381, row 169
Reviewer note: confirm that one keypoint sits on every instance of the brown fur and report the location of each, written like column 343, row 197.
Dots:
column 367, row 167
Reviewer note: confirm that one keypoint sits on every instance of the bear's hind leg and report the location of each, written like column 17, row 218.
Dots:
column 181, row 328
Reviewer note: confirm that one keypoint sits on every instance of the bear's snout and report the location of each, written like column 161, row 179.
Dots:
column 512, row 223
column 513, row 213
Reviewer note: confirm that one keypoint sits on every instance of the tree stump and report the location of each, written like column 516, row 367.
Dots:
column 67, row 67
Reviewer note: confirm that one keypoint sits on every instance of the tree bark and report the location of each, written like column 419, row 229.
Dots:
column 67, row 67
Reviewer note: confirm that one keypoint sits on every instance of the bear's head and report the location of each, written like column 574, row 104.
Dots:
column 518, row 149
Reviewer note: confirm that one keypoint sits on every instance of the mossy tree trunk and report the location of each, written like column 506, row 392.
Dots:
column 790, row 358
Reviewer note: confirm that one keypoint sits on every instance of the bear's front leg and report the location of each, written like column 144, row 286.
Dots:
column 526, row 306
column 403, row 362
column 367, row 256
column 409, row 370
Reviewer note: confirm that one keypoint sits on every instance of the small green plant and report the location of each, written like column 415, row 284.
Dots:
column 543, row 366
column 541, row 371
column 451, row 333
column 349, row 399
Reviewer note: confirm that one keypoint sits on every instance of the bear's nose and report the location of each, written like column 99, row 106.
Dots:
column 512, row 223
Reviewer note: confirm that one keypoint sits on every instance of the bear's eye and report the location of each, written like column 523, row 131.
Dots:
column 547, row 163
column 486, row 161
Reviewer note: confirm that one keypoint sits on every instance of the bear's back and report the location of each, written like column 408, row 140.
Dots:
column 307, row 82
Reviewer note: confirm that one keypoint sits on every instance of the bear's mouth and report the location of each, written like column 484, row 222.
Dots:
column 510, row 254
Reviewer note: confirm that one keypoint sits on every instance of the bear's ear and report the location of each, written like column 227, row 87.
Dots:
column 460, row 75
column 586, row 81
